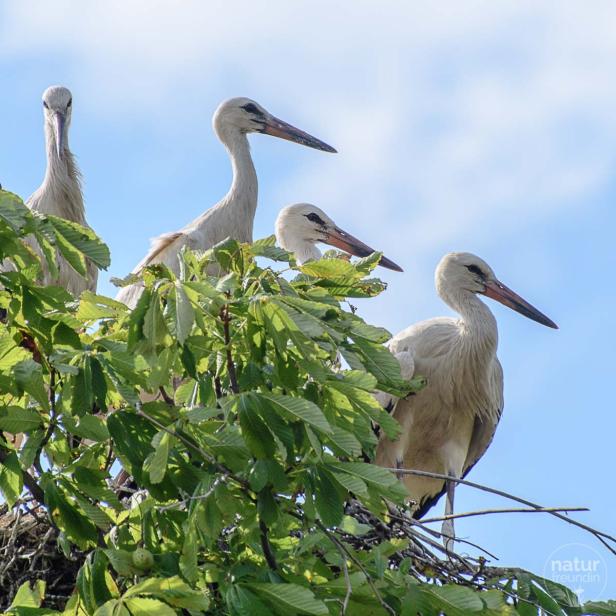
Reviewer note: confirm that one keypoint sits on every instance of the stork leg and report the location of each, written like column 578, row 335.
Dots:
column 447, row 530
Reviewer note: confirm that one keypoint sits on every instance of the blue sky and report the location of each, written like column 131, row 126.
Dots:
column 477, row 126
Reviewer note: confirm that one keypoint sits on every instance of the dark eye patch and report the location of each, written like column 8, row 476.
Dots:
column 251, row 108
column 70, row 102
column 314, row 217
column 475, row 270
column 45, row 105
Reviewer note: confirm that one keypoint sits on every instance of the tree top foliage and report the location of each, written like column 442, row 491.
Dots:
column 249, row 445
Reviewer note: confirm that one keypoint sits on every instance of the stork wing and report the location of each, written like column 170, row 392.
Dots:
column 484, row 428
column 162, row 249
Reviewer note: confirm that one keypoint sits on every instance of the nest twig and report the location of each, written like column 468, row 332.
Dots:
column 29, row 552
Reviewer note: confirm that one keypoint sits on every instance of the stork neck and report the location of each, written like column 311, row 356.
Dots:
column 304, row 251
column 477, row 321
column 62, row 185
column 243, row 192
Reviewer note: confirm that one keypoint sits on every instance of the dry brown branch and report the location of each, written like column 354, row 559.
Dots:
column 600, row 535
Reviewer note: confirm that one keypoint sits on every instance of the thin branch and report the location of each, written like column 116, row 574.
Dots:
column 217, row 388
column 224, row 314
column 600, row 535
column 206, row 456
column 340, row 545
column 267, row 548
column 469, row 514
column 349, row 588
column 52, row 420
column 193, row 498
column 166, row 397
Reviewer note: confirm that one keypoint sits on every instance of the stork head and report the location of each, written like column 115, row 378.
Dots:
column 247, row 116
column 467, row 273
column 57, row 106
column 302, row 225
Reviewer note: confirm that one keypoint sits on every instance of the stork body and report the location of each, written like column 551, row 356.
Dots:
column 301, row 226
column 448, row 425
column 233, row 216
column 60, row 193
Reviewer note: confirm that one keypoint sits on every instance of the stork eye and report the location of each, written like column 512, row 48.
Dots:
column 70, row 102
column 475, row 270
column 314, row 217
column 251, row 108
column 45, row 105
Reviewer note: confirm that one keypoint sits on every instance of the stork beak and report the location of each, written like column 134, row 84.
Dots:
column 60, row 120
column 277, row 128
column 345, row 241
column 498, row 291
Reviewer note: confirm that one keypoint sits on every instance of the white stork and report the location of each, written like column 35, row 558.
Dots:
column 448, row 425
column 60, row 193
column 233, row 215
column 301, row 226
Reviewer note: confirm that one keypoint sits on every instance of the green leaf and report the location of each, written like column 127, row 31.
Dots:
column 13, row 210
column 29, row 377
column 143, row 606
column 245, row 603
column 113, row 607
column 29, row 596
column 256, row 434
column 122, row 562
column 156, row 463
column 345, row 441
column 83, row 239
column 328, row 499
column 291, row 597
column 600, row 608
column 15, row 419
column 11, row 479
column 330, row 269
column 172, row 590
column 66, row 516
column 298, row 409
column 88, row 426
column 11, row 353
column 184, row 313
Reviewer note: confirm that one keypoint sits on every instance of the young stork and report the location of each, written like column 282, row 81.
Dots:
column 300, row 227
column 233, row 215
column 60, row 193
column 448, row 425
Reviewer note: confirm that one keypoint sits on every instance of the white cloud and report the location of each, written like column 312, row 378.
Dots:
column 458, row 124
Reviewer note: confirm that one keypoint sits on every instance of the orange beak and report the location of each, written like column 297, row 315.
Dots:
column 345, row 241
column 278, row 128
column 498, row 291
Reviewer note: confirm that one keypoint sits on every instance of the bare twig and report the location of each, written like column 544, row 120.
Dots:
column 193, row 498
column 600, row 535
column 340, row 546
column 468, row 514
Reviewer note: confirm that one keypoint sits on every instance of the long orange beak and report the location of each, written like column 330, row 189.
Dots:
column 498, row 291
column 278, row 128
column 347, row 242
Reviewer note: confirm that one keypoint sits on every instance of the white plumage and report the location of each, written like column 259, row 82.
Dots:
column 448, row 425
column 233, row 215
column 301, row 226
column 60, row 193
